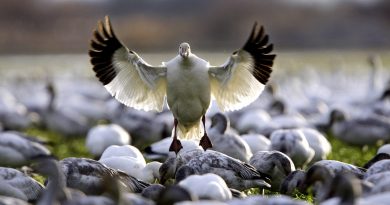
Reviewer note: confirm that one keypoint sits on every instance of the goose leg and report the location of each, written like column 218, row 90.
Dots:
column 205, row 141
column 176, row 144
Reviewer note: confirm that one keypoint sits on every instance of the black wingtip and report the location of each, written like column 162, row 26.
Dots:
column 260, row 49
column 103, row 45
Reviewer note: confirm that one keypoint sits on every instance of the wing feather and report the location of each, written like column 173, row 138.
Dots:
column 242, row 78
column 123, row 73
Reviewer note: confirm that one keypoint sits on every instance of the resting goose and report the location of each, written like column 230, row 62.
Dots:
column 237, row 174
column 14, row 183
column 226, row 141
column 187, row 81
column 87, row 175
column 17, row 150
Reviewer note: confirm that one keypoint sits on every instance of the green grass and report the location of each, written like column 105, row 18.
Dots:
column 63, row 147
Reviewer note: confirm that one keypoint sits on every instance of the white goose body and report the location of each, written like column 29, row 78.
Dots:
column 188, row 93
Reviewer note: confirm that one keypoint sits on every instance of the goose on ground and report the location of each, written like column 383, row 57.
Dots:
column 143, row 127
column 257, row 142
column 160, row 150
column 318, row 143
column 17, row 150
column 123, row 150
column 384, row 149
column 6, row 200
column 267, row 200
column 378, row 167
column 174, row 194
column 237, row 174
column 137, row 84
column 87, row 175
column 146, row 172
column 292, row 183
column 294, row 144
column 102, row 136
column 359, row 131
column 274, row 163
column 13, row 114
column 207, row 186
column 63, row 120
column 153, row 191
column 339, row 167
column 378, row 157
column 227, row 142
column 14, row 183
column 57, row 192
column 256, row 121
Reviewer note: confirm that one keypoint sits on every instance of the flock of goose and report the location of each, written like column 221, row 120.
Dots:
column 278, row 143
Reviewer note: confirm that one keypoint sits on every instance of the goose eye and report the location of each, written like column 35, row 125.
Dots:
column 235, row 52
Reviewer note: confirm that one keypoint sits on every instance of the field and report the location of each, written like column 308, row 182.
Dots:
column 290, row 66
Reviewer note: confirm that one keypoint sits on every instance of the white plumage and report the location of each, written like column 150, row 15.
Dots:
column 187, row 81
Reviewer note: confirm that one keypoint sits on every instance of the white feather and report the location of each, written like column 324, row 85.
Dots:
column 235, row 87
column 135, row 86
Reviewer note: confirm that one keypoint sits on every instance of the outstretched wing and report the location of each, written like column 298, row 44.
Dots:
column 241, row 79
column 124, row 74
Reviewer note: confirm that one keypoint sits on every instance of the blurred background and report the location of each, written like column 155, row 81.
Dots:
column 65, row 26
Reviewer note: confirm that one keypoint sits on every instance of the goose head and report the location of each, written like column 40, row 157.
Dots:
column 184, row 50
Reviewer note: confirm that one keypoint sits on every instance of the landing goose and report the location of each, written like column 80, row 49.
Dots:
column 187, row 81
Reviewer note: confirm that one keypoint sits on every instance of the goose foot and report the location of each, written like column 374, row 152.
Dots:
column 205, row 142
column 175, row 146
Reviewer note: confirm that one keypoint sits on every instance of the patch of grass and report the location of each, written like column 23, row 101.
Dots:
column 62, row 146
column 351, row 154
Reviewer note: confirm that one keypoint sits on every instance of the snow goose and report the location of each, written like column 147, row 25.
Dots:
column 274, row 163
column 359, row 130
column 173, row 194
column 207, row 186
column 142, row 126
column 237, row 174
column 255, row 121
column 293, row 182
column 318, row 143
column 6, row 200
column 87, row 175
column 124, row 150
column 102, row 136
column 376, row 158
column 378, row 167
column 160, row 150
column 257, row 142
column 267, row 200
column 13, row 114
column 56, row 191
column 335, row 166
column 14, row 183
column 227, row 142
column 187, row 80
column 293, row 143
column 384, row 149
column 153, row 191
column 343, row 189
column 17, row 150
column 146, row 172
column 64, row 121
